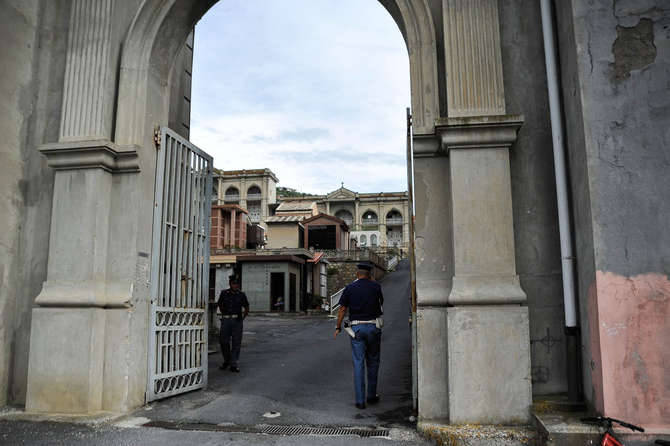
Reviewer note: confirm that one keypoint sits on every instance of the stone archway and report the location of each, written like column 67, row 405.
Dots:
column 161, row 26
column 97, row 289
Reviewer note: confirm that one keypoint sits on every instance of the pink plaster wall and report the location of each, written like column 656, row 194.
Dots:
column 630, row 340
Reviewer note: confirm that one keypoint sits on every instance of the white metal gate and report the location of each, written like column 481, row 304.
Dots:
column 179, row 268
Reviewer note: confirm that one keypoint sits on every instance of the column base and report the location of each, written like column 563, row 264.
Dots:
column 432, row 390
column 489, row 365
column 65, row 371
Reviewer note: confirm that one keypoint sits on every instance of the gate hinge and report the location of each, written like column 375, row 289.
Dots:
column 157, row 138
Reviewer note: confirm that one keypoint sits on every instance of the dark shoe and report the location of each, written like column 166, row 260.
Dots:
column 360, row 405
column 224, row 366
column 234, row 368
column 373, row 399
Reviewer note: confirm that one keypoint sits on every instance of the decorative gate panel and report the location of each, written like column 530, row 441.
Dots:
column 179, row 268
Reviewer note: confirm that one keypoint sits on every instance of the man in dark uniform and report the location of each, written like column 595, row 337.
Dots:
column 363, row 298
column 234, row 307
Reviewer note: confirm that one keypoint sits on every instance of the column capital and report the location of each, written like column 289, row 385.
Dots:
column 95, row 154
column 478, row 132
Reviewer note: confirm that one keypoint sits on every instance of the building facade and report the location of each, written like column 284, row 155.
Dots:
column 325, row 232
column 254, row 190
column 229, row 227
column 374, row 219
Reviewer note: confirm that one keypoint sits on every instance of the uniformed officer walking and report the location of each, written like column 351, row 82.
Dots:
column 234, row 307
column 363, row 298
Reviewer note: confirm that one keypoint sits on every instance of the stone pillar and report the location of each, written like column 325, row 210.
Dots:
column 487, row 318
column 264, row 209
column 233, row 225
column 243, row 193
column 434, row 272
column 357, row 218
column 80, row 342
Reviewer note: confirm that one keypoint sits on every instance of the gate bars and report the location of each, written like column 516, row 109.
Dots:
column 179, row 268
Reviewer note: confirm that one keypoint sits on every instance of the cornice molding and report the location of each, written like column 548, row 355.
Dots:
column 478, row 132
column 96, row 154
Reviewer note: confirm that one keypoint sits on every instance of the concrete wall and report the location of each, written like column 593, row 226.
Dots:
column 256, row 283
column 283, row 236
column 342, row 274
column 579, row 179
column 20, row 20
column 34, row 35
column 538, row 259
column 616, row 64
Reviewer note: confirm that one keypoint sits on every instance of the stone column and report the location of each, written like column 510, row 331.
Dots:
column 356, row 222
column 488, row 346
column 79, row 353
column 243, row 193
column 233, row 225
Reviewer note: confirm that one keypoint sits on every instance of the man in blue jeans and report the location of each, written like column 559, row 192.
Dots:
column 363, row 298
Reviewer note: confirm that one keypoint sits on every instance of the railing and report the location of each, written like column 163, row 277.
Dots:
column 394, row 221
column 355, row 255
column 392, row 263
column 369, row 227
column 231, row 198
column 285, row 251
column 335, row 301
column 253, row 197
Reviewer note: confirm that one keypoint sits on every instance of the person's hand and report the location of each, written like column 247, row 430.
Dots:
column 337, row 331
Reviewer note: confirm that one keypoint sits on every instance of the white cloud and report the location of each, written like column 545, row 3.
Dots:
column 313, row 89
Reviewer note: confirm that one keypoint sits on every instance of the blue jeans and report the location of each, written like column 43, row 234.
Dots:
column 365, row 351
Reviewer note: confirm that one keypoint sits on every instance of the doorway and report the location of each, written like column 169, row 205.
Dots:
column 292, row 292
column 277, row 291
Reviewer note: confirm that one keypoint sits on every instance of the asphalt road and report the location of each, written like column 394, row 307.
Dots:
column 291, row 367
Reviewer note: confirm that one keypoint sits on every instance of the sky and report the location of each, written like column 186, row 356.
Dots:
column 314, row 90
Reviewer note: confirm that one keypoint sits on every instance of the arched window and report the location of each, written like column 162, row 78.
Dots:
column 254, row 193
column 364, row 240
column 254, row 203
column 232, row 195
column 393, row 218
column 373, row 240
column 370, row 218
column 345, row 215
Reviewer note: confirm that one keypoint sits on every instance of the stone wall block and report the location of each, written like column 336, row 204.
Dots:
column 67, row 346
column 489, row 365
column 431, row 332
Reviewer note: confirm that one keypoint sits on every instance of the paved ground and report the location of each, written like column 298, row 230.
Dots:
column 291, row 366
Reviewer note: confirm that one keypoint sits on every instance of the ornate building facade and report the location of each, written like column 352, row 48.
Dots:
column 254, row 190
column 375, row 219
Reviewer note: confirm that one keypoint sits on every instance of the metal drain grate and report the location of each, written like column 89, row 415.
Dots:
column 273, row 429
column 323, row 431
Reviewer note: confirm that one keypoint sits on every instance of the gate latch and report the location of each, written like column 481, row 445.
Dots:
column 157, row 138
